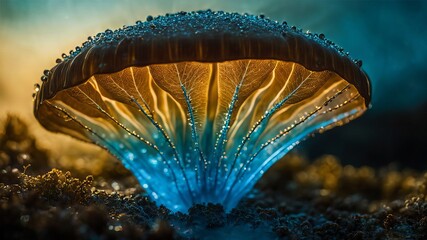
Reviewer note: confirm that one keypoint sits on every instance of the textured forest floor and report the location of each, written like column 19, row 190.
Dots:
column 297, row 199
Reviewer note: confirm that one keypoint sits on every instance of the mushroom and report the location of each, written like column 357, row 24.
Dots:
column 199, row 105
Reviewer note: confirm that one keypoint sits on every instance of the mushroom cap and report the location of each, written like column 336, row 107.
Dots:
column 203, row 36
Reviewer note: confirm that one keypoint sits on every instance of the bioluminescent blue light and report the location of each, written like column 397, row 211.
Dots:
column 195, row 130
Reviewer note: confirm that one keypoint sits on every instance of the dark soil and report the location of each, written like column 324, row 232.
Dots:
column 297, row 199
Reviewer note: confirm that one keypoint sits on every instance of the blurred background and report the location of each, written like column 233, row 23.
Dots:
column 389, row 36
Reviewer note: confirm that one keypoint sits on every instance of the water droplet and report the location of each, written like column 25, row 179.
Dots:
column 130, row 156
column 43, row 78
column 358, row 63
column 46, row 72
column 155, row 195
column 262, row 16
column 322, row 36
column 115, row 186
column 58, row 60
column 149, row 18
column 36, row 87
column 285, row 34
column 285, row 23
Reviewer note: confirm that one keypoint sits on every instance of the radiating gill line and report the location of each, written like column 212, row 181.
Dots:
column 113, row 101
column 211, row 111
column 159, row 112
column 261, row 168
column 112, row 146
column 155, row 101
column 222, row 138
column 262, row 123
column 139, row 93
column 193, row 126
column 253, row 102
column 281, row 134
column 286, row 84
column 133, row 133
column 195, row 136
column 328, row 88
column 211, row 105
column 265, row 116
column 166, row 136
column 124, row 90
column 224, row 129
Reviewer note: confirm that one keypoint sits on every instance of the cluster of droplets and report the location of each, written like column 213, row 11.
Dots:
column 150, row 26
column 37, row 87
column 320, row 38
column 36, row 90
